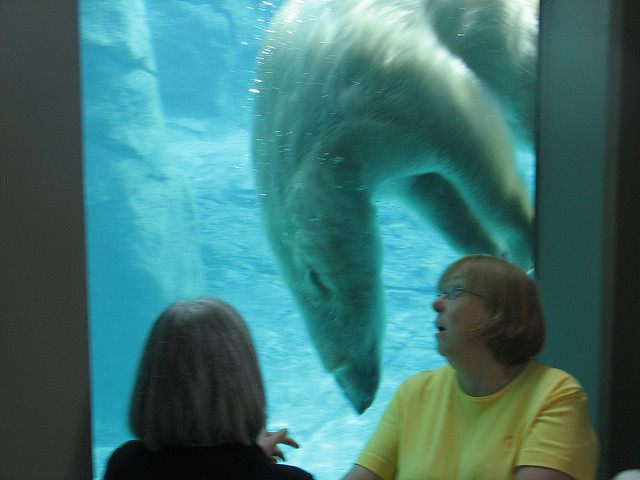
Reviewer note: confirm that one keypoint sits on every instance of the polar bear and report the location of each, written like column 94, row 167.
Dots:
column 418, row 100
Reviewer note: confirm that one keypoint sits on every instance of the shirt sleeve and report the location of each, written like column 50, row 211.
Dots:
column 562, row 437
column 380, row 453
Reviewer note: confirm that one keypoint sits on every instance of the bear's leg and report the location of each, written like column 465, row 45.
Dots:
column 475, row 155
column 437, row 201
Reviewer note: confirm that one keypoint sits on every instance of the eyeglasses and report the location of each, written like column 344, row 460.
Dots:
column 454, row 291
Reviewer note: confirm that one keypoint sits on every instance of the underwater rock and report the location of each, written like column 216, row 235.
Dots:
column 142, row 233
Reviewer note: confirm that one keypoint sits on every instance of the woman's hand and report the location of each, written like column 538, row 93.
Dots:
column 268, row 442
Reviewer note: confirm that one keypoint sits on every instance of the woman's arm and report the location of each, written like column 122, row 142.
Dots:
column 361, row 473
column 540, row 473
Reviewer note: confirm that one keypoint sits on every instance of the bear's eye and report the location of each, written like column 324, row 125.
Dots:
column 315, row 279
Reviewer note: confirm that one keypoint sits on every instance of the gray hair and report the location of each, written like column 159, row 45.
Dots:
column 198, row 382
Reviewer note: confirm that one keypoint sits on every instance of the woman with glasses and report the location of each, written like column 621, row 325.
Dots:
column 492, row 412
column 198, row 405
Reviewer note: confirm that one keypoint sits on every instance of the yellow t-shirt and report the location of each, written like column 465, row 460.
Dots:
column 432, row 430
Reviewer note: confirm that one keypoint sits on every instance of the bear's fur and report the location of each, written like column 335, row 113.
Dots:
column 421, row 100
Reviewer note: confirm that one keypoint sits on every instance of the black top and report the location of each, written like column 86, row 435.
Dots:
column 133, row 461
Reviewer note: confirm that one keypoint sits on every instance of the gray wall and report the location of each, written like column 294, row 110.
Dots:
column 619, row 413
column 587, row 226
column 588, row 210
column 44, row 375
column 570, row 184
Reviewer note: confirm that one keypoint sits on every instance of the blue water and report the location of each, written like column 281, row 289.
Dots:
column 172, row 212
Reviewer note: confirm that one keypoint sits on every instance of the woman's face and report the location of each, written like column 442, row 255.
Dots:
column 459, row 313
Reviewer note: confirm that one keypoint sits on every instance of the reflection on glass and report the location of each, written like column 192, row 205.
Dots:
column 347, row 104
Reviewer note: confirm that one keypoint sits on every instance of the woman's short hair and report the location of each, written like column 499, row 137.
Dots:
column 514, row 329
column 198, row 382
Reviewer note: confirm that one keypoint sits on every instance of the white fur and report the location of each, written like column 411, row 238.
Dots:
column 421, row 100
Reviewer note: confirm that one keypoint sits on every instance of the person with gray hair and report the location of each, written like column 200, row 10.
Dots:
column 198, row 404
